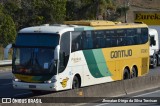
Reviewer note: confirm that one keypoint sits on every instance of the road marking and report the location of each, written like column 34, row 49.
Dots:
column 147, row 93
column 5, row 84
column 23, row 94
column 131, row 97
column 81, row 104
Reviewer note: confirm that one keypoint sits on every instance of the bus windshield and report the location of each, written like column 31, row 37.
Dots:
column 34, row 54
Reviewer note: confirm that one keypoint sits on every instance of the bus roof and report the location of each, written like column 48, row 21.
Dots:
column 80, row 26
column 46, row 29
column 107, row 24
column 90, row 23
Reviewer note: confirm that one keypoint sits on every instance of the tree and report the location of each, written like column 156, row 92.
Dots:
column 7, row 30
column 94, row 9
column 50, row 11
column 87, row 9
column 12, row 9
column 36, row 12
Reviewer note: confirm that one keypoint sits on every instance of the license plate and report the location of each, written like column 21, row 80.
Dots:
column 32, row 86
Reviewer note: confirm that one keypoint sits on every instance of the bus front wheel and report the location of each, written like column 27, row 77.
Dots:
column 76, row 83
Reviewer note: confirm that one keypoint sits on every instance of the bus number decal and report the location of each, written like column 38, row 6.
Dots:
column 121, row 53
column 144, row 50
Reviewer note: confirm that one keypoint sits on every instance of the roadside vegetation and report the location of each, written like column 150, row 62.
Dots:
column 17, row 14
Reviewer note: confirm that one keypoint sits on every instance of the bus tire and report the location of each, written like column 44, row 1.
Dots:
column 134, row 72
column 126, row 74
column 155, row 62
column 75, row 83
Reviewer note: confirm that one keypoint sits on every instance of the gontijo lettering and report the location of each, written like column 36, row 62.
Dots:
column 121, row 53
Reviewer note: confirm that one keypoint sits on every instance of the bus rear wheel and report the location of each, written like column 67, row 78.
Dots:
column 126, row 74
column 76, row 83
column 154, row 61
column 134, row 72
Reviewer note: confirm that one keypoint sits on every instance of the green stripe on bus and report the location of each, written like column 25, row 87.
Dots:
column 91, row 62
column 88, row 28
column 101, row 62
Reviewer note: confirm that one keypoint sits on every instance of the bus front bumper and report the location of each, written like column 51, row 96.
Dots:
column 34, row 86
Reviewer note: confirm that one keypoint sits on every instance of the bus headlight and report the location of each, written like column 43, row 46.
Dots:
column 17, row 80
column 50, row 81
column 47, row 81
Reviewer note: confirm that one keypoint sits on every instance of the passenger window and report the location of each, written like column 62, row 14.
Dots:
column 108, row 38
column 89, row 41
column 144, row 34
column 76, row 41
column 121, row 41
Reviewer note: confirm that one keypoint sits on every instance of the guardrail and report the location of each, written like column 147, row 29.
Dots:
column 111, row 89
column 5, row 62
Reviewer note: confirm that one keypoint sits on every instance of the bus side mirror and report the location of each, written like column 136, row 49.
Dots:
column 6, row 51
column 56, row 52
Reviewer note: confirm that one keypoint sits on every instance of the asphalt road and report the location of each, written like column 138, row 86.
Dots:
column 155, row 71
column 139, row 99
column 6, row 89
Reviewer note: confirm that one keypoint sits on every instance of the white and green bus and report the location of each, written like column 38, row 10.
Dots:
column 78, row 54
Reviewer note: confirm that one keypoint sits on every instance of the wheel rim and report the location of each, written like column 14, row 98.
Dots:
column 125, row 75
column 134, row 73
column 155, row 62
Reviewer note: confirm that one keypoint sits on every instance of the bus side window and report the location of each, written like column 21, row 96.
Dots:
column 144, row 35
column 114, row 38
column 138, row 38
column 64, row 51
column 87, row 40
column 130, row 36
column 101, row 39
column 95, row 42
column 114, row 41
column 76, row 41
column 90, row 40
column 121, row 41
column 107, row 39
